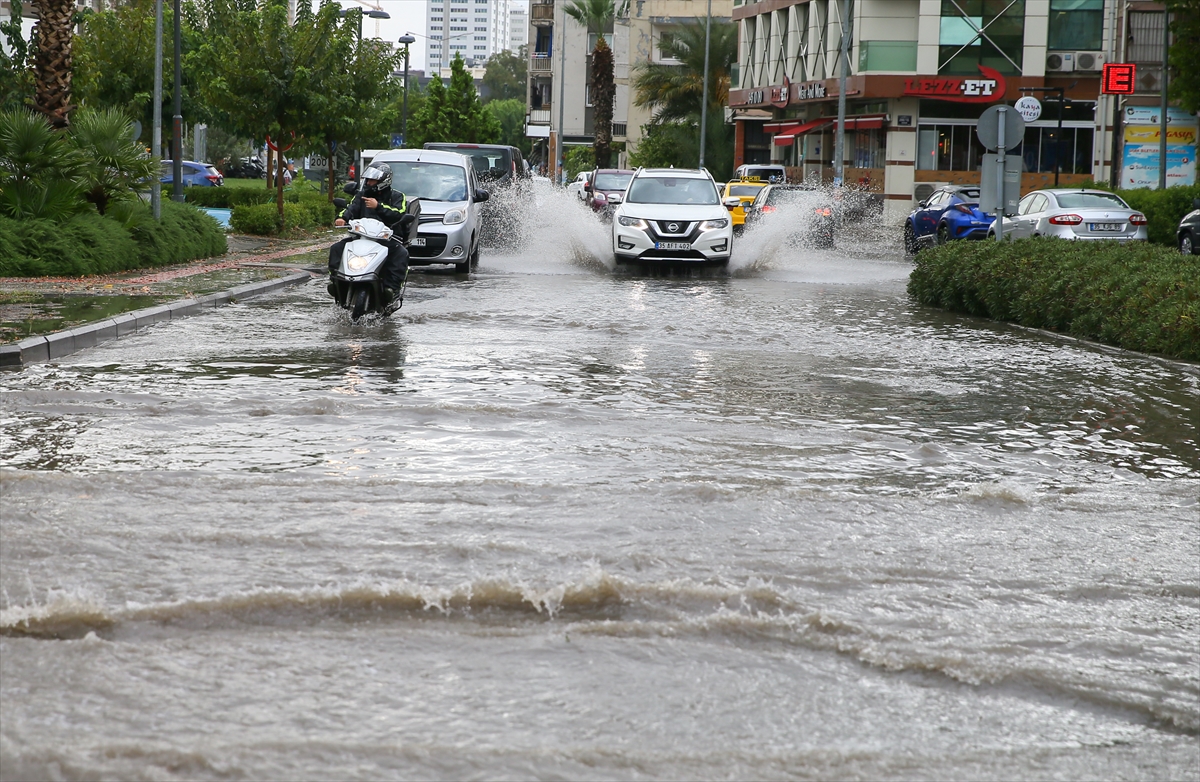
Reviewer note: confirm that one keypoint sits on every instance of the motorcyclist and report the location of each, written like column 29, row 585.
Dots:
column 377, row 199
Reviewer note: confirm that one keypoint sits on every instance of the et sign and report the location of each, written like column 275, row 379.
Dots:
column 959, row 89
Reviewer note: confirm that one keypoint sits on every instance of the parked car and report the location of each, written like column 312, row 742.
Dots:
column 949, row 213
column 495, row 164
column 606, row 189
column 1188, row 232
column 813, row 212
column 578, row 186
column 744, row 190
column 193, row 174
column 246, row 168
column 451, row 204
column 1074, row 214
column 672, row 216
column 767, row 172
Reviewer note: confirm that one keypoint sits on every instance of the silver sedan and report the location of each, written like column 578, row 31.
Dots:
column 1074, row 214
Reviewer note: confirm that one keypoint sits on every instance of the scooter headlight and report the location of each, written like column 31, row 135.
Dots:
column 455, row 216
column 358, row 262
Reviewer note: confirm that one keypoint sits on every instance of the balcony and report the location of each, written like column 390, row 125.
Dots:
column 541, row 14
column 539, row 116
column 618, row 130
column 539, row 63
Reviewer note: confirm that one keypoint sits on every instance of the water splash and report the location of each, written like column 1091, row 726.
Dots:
column 539, row 226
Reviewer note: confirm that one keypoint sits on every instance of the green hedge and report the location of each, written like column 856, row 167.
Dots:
column 95, row 244
column 300, row 210
column 1163, row 208
column 227, row 197
column 1132, row 295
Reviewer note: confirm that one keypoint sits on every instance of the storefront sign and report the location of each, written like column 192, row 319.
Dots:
column 960, row 89
column 1143, row 131
column 904, row 120
column 780, row 95
column 1029, row 107
column 1118, row 78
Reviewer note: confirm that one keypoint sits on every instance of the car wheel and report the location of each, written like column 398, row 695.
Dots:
column 475, row 257
column 910, row 240
column 943, row 234
column 1187, row 244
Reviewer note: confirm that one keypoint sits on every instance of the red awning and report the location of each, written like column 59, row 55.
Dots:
column 789, row 134
column 865, row 122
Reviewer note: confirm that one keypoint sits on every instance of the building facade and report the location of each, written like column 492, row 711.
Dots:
column 920, row 74
column 473, row 29
column 518, row 26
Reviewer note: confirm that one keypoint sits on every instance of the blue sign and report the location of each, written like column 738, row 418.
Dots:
column 397, row 140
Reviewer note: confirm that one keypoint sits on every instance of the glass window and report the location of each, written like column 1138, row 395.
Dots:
column 1023, row 206
column 672, row 190
column 744, row 190
column 1076, row 24
column 431, row 181
column 999, row 43
column 1094, row 200
column 1039, row 203
column 612, row 181
column 887, row 56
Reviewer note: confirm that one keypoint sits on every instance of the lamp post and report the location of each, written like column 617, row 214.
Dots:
column 1058, row 133
column 156, row 128
column 405, row 39
column 704, row 90
column 361, row 13
column 177, row 120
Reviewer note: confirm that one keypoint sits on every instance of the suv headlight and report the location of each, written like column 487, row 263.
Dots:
column 713, row 225
column 632, row 222
column 455, row 216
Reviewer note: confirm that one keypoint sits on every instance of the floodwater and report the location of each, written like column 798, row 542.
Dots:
column 564, row 521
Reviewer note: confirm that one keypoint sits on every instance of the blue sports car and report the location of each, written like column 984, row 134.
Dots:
column 950, row 212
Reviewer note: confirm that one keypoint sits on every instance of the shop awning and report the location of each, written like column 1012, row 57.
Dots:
column 865, row 122
column 788, row 132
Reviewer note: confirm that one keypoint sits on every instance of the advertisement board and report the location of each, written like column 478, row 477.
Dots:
column 1143, row 131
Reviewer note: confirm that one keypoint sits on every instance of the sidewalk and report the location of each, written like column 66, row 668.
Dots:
column 33, row 306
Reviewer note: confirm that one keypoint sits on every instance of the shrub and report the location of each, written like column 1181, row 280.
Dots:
column 227, row 197
column 1163, row 208
column 262, row 219
column 1132, row 295
column 127, row 238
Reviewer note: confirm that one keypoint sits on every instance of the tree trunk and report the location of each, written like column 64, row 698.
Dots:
column 52, row 61
column 332, row 153
column 279, row 187
column 603, row 91
column 270, row 164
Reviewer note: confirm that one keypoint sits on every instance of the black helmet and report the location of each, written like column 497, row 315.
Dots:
column 381, row 172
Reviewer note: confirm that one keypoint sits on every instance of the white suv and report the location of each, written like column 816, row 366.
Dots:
column 672, row 215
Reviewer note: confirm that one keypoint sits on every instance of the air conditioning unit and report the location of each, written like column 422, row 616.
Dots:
column 1060, row 62
column 1089, row 61
column 922, row 190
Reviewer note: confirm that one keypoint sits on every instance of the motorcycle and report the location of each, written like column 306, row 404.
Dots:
column 357, row 285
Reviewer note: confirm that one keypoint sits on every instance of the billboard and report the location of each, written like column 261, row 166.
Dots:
column 1143, row 132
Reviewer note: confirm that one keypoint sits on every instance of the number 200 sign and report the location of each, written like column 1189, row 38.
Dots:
column 1118, row 78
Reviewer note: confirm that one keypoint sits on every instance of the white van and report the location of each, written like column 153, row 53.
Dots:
column 763, row 172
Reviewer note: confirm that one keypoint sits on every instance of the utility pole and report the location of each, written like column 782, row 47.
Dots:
column 704, row 93
column 405, row 39
column 177, row 120
column 562, row 83
column 839, row 139
column 156, row 129
column 1166, row 78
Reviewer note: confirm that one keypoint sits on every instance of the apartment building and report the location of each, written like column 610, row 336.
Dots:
column 518, row 26
column 562, row 76
column 921, row 72
column 473, row 29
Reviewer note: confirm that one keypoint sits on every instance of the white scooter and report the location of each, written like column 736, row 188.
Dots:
column 357, row 285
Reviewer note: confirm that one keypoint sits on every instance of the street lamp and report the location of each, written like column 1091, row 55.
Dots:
column 177, row 120
column 406, row 40
column 361, row 13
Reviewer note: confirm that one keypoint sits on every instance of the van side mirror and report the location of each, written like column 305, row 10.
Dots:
column 350, row 188
column 481, row 195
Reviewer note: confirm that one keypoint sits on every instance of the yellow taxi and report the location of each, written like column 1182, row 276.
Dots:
column 744, row 189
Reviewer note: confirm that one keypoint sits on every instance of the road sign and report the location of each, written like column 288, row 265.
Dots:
column 1029, row 107
column 988, row 127
column 988, row 189
column 1118, row 78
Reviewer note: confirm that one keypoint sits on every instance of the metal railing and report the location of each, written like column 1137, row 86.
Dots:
column 539, row 116
column 618, row 129
column 539, row 63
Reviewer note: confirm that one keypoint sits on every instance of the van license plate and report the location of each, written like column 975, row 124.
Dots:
column 1105, row 226
column 418, row 242
column 672, row 245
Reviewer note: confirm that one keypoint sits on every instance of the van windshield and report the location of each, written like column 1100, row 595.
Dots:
column 765, row 174
column 430, row 181
column 672, row 190
column 488, row 163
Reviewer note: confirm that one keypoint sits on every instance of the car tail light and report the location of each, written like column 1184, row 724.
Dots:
column 1066, row 220
column 768, row 209
column 965, row 208
column 211, row 178
column 1137, row 219
column 824, row 211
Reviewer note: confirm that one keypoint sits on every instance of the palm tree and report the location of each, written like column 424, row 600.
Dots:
column 675, row 91
column 597, row 16
column 52, row 61
column 116, row 164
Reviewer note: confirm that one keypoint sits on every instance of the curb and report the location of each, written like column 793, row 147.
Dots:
column 49, row 347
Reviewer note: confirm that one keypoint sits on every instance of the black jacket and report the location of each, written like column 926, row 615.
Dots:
column 389, row 211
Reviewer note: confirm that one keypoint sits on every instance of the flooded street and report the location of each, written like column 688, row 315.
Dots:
column 564, row 521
